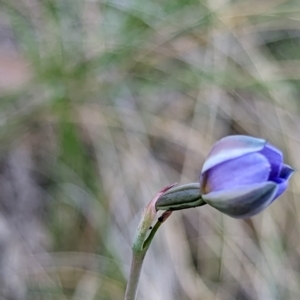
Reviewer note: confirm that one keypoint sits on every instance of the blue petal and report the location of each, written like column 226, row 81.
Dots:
column 275, row 158
column 282, row 186
column 245, row 170
column 232, row 147
column 282, row 182
column 243, row 202
column 286, row 172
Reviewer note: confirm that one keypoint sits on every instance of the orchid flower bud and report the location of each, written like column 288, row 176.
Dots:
column 242, row 175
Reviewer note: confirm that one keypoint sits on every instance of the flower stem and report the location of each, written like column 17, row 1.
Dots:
column 167, row 200
column 138, row 259
column 135, row 271
column 142, row 240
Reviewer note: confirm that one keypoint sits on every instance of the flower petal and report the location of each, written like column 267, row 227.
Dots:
column 232, row 147
column 282, row 186
column 286, row 172
column 275, row 158
column 282, row 182
column 245, row 170
column 243, row 202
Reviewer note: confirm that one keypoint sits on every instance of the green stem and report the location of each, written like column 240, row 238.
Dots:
column 142, row 241
column 138, row 255
column 135, row 271
column 168, row 199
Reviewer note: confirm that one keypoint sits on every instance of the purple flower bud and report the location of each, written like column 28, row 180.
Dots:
column 242, row 175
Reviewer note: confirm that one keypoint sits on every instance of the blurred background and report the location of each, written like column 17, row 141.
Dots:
column 103, row 103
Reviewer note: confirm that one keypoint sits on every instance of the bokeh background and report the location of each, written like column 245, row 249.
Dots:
column 103, row 103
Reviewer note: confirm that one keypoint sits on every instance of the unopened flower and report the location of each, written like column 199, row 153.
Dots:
column 242, row 175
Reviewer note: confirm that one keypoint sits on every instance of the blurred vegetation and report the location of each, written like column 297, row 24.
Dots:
column 103, row 103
